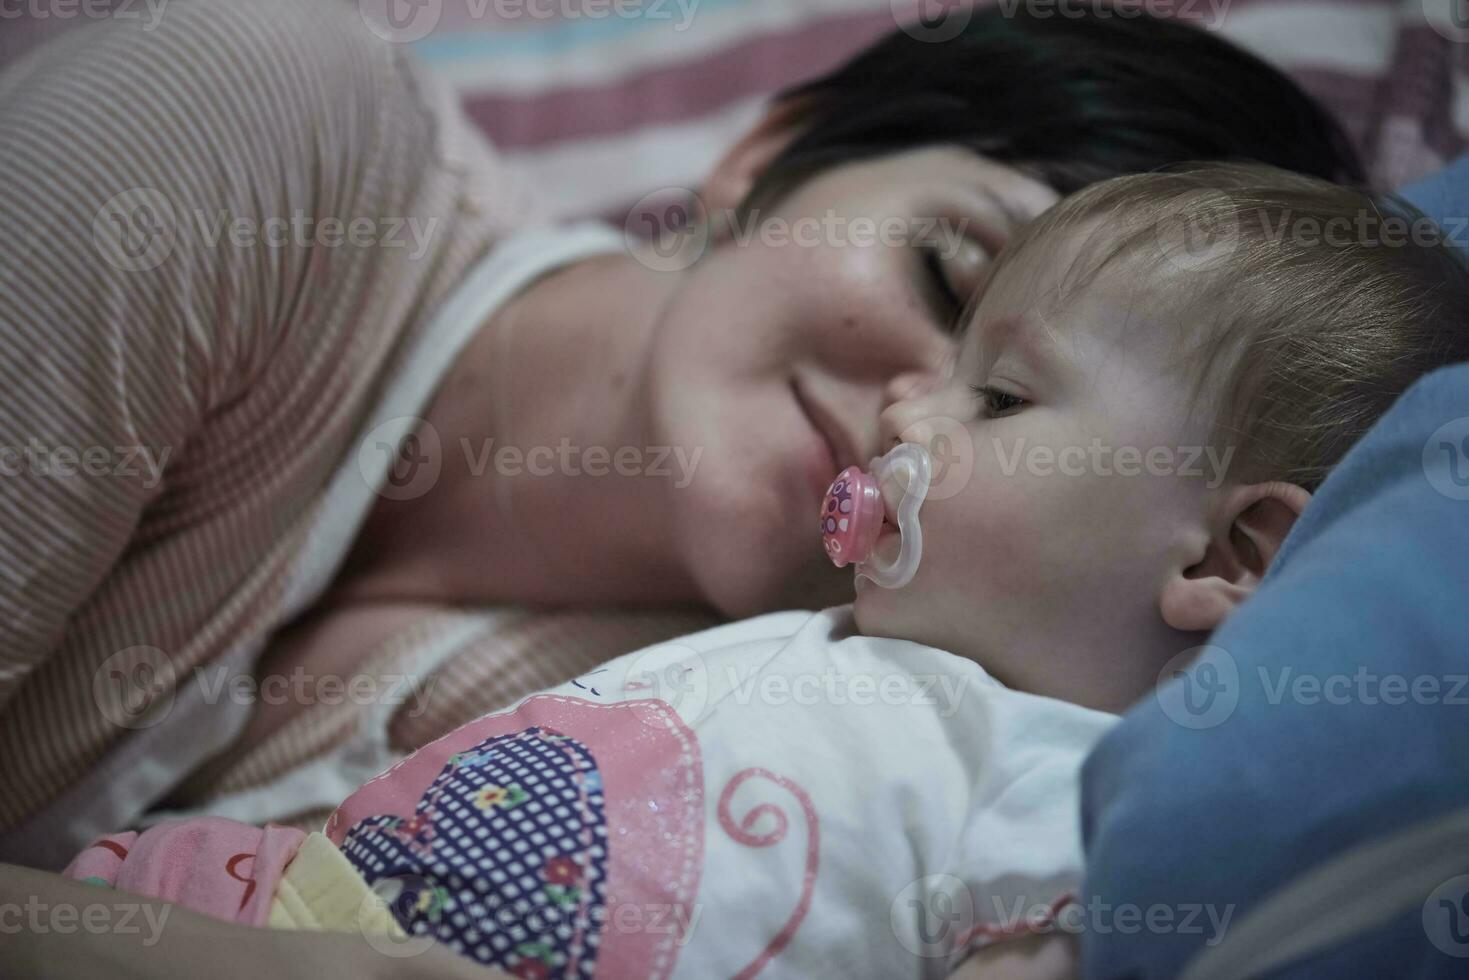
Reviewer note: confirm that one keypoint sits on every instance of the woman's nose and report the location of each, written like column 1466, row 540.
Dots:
column 900, row 421
column 900, row 398
column 909, row 384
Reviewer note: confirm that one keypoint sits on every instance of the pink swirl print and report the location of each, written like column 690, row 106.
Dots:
column 742, row 834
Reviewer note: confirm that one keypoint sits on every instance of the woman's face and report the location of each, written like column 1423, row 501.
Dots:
column 778, row 351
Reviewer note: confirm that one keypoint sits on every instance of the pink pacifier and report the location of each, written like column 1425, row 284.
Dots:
column 852, row 514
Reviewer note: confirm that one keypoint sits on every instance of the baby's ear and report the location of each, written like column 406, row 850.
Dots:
column 1246, row 530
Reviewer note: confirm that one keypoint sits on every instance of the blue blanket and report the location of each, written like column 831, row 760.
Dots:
column 1331, row 712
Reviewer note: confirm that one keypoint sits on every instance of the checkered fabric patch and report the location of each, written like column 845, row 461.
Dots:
column 504, row 859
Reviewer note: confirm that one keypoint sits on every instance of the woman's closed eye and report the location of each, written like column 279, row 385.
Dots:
column 997, row 402
column 948, row 297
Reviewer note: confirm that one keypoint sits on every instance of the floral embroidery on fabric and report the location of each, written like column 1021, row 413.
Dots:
column 501, row 796
column 505, row 857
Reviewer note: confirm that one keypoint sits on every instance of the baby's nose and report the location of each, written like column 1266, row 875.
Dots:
column 918, row 418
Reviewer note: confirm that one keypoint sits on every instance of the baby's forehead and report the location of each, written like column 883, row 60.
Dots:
column 1077, row 313
column 1039, row 293
column 1087, row 281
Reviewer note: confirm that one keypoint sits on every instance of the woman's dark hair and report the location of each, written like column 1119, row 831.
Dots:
column 1068, row 99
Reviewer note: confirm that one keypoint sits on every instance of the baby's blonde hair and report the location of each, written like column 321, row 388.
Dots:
column 1311, row 306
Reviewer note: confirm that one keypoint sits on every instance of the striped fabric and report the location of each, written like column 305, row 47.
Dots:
column 603, row 110
column 648, row 103
column 523, row 652
column 126, row 325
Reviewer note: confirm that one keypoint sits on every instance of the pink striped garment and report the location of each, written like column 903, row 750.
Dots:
column 132, row 334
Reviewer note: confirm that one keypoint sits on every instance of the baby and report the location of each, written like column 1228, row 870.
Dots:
column 1159, row 372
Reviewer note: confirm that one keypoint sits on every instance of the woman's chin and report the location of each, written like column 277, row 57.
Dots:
column 738, row 573
column 751, row 551
column 741, row 592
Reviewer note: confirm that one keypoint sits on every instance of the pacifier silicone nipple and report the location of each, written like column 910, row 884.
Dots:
column 852, row 514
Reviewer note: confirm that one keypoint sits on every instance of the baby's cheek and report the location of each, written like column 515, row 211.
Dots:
column 988, row 537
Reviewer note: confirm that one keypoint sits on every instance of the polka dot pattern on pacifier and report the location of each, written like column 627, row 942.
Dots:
column 836, row 513
column 846, row 516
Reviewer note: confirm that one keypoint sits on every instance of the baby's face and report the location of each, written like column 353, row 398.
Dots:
column 1067, row 489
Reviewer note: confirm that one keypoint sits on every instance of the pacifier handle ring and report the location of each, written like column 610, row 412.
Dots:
column 917, row 463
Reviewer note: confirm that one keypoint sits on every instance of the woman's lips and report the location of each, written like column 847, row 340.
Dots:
column 828, row 425
column 821, row 458
column 820, row 463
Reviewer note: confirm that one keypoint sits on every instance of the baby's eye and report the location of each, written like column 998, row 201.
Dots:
column 997, row 402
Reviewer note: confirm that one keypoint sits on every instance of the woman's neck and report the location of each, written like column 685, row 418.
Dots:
column 543, row 493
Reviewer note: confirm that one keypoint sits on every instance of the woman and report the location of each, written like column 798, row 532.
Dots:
column 275, row 313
